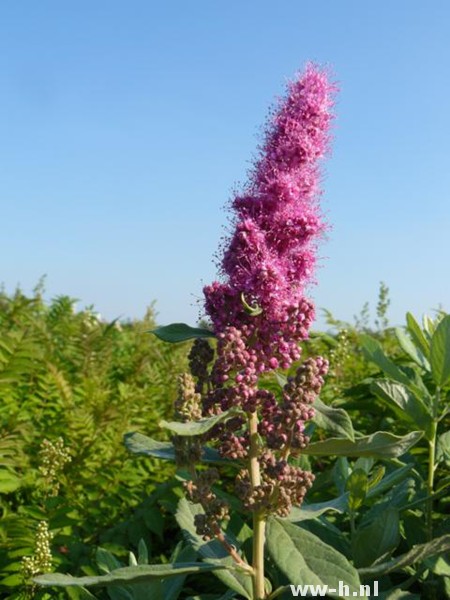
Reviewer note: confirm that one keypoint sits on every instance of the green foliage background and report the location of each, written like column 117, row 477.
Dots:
column 66, row 374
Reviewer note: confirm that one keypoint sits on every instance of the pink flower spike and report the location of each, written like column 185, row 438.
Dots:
column 270, row 257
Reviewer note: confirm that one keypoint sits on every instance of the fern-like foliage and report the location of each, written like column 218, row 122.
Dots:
column 65, row 373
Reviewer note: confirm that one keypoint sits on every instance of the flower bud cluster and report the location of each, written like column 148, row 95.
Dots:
column 305, row 386
column 200, row 356
column 53, row 457
column 260, row 312
column 233, row 446
column 188, row 450
column 215, row 509
column 188, row 402
column 41, row 560
column 339, row 356
column 282, row 486
column 270, row 342
column 282, row 425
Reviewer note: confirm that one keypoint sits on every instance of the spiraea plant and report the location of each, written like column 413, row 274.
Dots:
column 260, row 313
column 242, row 443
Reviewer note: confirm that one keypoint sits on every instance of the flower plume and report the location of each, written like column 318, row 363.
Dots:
column 270, row 257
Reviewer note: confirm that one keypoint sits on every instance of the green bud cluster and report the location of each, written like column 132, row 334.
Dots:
column 187, row 408
column 41, row 560
column 53, row 457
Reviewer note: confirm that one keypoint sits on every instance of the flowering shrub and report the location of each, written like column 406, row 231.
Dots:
column 229, row 420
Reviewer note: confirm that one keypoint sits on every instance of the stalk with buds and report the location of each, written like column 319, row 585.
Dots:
column 260, row 314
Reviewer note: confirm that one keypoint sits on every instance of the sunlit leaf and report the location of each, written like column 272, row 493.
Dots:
column 180, row 332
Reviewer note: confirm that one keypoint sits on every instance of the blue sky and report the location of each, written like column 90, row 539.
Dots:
column 125, row 125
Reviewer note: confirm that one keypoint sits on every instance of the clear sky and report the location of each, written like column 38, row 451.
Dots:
column 124, row 126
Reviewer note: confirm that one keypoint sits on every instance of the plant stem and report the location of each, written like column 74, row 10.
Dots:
column 219, row 534
column 431, row 464
column 259, row 523
column 231, row 550
column 430, row 482
column 352, row 524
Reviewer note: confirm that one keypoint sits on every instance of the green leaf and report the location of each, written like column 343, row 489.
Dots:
column 171, row 588
column 340, row 473
column 378, row 538
column 142, row 552
column 106, row 562
column 180, row 332
column 9, row 482
column 389, row 481
column 230, row 595
column 429, row 326
column 213, row 551
column 417, row 335
column 312, row 511
column 375, row 353
column 398, row 497
column 127, row 575
column 377, row 445
column 439, row 565
column 80, row 594
column 357, row 486
column 332, row 419
column 302, row 557
column 376, row 476
column 281, row 379
column 364, row 463
column 137, row 443
column 443, row 448
column 411, row 349
column 440, row 352
column 198, row 427
column 417, row 554
column 404, row 403
column 397, row 594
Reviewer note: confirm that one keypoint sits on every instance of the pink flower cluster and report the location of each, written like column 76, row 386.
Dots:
column 271, row 254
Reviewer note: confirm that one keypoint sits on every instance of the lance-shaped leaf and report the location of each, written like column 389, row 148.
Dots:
column 374, row 352
column 377, row 538
column 332, row 419
column 213, row 551
column 201, row 426
column 312, row 511
column 180, row 332
column 440, row 352
column 406, row 405
column 443, row 448
column 128, row 575
column 389, row 481
column 378, row 445
column 357, row 485
column 417, row 554
column 137, row 443
column 303, row 557
column 417, row 335
column 411, row 349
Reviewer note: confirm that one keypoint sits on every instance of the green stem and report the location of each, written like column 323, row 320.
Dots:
column 259, row 523
column 432, row 465
column 430, row 482
column 352, row 524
